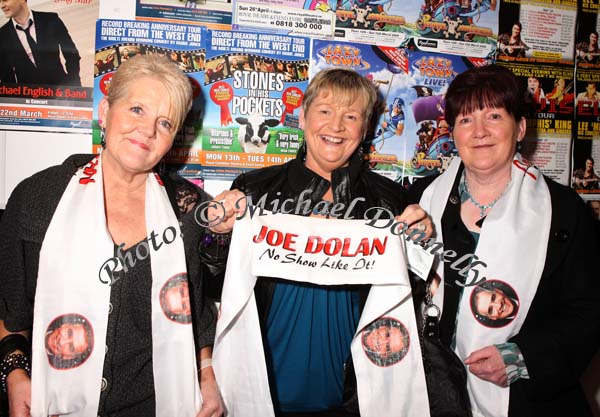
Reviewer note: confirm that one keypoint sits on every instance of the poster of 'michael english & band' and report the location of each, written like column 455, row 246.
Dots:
column 120, row 40
column 46, row 75
column 467, row 28
column 253, row 86
column 412, row 138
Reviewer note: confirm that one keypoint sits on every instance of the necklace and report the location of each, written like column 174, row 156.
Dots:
column 464, row 190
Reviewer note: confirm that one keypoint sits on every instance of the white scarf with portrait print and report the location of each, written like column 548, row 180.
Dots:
column 76, row 245
column 512, row 244
column 391, row 388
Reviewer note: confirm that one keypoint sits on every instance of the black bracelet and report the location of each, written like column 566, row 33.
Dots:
column 13, row 342
column 9, row 364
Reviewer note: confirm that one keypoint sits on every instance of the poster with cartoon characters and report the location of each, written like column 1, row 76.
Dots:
column 412, row 138
column 537, row 31
column 119, row 40
column 550, row 94
column 253, row 85
column 214, row 14
column 461, row 27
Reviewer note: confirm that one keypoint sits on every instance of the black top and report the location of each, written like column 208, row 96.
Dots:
column 129, row 387
column 561, row 331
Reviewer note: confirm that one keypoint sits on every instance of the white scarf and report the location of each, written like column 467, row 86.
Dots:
column 393, row 389
column 75, row 247
column 512, row 243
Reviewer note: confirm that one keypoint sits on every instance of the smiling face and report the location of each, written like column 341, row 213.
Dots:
column 494, row 304
column 68, row 341
column 139, row 127
column 14, row 8
column 385, row 341
column 486, row 139
column 333, row 129
column 177, row 300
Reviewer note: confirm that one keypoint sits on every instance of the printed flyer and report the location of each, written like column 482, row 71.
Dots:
column 214, row 14
column 550, row 93
column 467, row 28
column 587, row 104
column 46, row 82
column 254, row 84
column 286, row 17
column 462, row 28
column 412, row 138
column 586, row 174
column 586, row 149
column 119, row 40
column 587, row 52
column 537, row 31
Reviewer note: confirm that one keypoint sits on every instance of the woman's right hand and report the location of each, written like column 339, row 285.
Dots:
column 223, row 210
column 18, row 386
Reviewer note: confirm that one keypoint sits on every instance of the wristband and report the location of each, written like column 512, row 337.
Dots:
column 205, row 363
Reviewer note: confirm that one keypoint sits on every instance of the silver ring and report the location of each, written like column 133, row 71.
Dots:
column 422, row 227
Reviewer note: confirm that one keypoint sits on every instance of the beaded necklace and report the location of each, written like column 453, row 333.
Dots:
column 463, row 190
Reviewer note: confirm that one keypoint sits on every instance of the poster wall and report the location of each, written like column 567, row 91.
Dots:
column 550, row 93
column 462, row 28
column 46, row 74
column 537, row 31
column 254, row 84
column 412, row 138
column 248, row 88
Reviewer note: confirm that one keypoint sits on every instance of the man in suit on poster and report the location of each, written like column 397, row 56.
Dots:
column 31, row 44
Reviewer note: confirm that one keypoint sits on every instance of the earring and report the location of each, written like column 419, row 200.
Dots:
column 103, row 137
column 519, row 146
column 361, row 153
column 102, row 134
column 303, row 151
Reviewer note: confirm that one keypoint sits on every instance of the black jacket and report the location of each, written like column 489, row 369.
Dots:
column 355, row 186
column 561, row 332
column 52, row 39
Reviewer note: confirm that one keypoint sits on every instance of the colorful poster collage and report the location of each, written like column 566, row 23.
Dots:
column 550, row 124
column 465, row 28
column 248, row 88
column 119, row 40
column 46, row 85
column 254, row 84
column 412, row 138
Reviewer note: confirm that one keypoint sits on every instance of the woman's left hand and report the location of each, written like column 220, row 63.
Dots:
column 416, row 218
column 212, row 403
column 488, row 365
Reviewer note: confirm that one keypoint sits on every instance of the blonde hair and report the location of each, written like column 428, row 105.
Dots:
column 347, row 85
column 161, row 69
